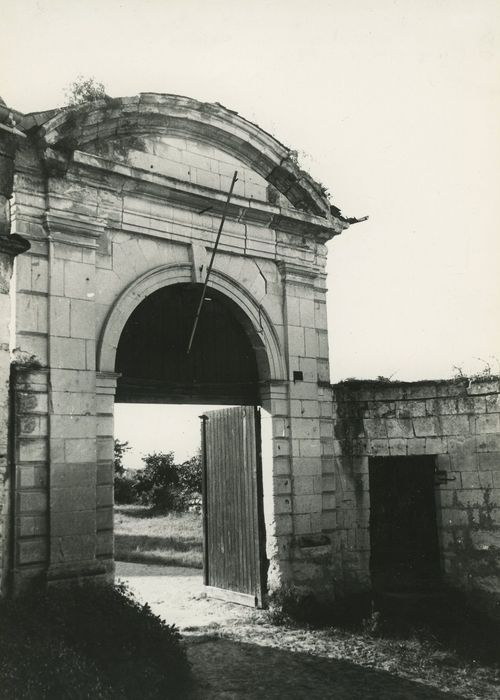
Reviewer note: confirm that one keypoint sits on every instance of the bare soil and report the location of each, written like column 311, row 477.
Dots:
column 237, row 653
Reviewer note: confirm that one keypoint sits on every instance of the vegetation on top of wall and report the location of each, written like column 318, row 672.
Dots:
column 83, row 90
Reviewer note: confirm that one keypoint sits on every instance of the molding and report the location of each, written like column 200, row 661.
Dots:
column 295, row 273
column 14, row 245
column 197, row 197
column 62, row 227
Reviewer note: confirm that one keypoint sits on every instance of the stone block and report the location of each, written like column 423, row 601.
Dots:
column 489, row 442
column 80, row 449
column 80, row 523
column 72, row 548
column 72, row 426
column 76, row 498
column 32, row 449
column 105, row 496
column 105, row 473
column 435, row 445
column 32, row 501
column 69, row 353
column 441, row 406
column 304, row 428
column 282, row 505
column 311, row 344
column 282, row 485
column 428, row 426
column 79, row 280
column 104, row 405
column 489, row 460
column 31, row 314
column 104, row 518
column 105, row 426
column 283, row 524
column 307, row 504
column 471, row 404
column 470, row 480
column 455, row 425
column 306, row 447
column 398, row 446
column 39, row 274
column 492, row 402
column 32, row 526
column 82, row 319
column 410, row 409
column 326, row 429
column 32, row 477
column 72, row 475
column 376, row 428
column 32, row 425
column 302, row 524
column 296, row 342
column 74, row 380
column 59, row 316
column 416, row 446
column 32, row 551
column 488, row 423
column 105, row 543
column 71, row 402
column 281, row 447
column 378, row 446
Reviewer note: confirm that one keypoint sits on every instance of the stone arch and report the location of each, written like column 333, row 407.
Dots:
column 253, row 317
column 149, row 113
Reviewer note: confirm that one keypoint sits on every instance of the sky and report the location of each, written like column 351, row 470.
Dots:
column 393, row 105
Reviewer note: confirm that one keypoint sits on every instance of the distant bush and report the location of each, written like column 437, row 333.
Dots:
column 162, row 484
column 124, row 489
column 88, row 642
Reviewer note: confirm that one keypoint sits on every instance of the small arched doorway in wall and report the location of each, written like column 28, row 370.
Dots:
column 225, row 366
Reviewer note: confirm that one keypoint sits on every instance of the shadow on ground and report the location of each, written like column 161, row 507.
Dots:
column 228, row 670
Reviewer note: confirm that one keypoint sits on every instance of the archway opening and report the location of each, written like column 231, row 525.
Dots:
column 224, row 368
column 152, row 356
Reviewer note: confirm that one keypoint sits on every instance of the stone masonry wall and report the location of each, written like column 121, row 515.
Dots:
column 458, row 422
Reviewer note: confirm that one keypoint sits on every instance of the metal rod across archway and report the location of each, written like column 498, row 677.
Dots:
column 209, row 270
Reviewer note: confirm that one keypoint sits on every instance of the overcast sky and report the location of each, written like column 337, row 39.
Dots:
column 394, row 105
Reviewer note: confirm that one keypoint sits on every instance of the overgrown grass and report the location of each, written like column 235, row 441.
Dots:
column 88, row 642
column 145, row 536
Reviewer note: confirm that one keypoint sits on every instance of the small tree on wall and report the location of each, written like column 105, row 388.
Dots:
column 84, row 90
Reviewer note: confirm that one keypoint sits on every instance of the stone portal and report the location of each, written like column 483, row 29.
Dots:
column 121, row 201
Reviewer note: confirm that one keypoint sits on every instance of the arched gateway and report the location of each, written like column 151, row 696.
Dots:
column 121, row 201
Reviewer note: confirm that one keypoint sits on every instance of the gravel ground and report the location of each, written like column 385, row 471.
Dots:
column 237, row 654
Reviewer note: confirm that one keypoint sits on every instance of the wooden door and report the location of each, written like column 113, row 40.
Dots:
column 234, row 542
column 403, row 528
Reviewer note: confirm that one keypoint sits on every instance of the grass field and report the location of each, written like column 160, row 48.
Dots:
column 141, row 536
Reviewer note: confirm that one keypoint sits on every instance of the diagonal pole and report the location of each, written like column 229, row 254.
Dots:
column 209, row 269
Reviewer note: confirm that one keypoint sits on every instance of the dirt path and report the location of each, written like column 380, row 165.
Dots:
column 237, row 654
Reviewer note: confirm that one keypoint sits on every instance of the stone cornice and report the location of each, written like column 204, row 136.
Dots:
column 13, row 245
column 197, row 197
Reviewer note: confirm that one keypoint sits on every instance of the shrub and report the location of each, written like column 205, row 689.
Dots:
column 124, row 489
column 167, row 486
column 92, row 641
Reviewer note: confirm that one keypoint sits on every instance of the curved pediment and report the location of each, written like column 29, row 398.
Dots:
column 145, row 129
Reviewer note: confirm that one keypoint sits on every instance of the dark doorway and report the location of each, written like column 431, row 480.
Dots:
column 403, row 530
